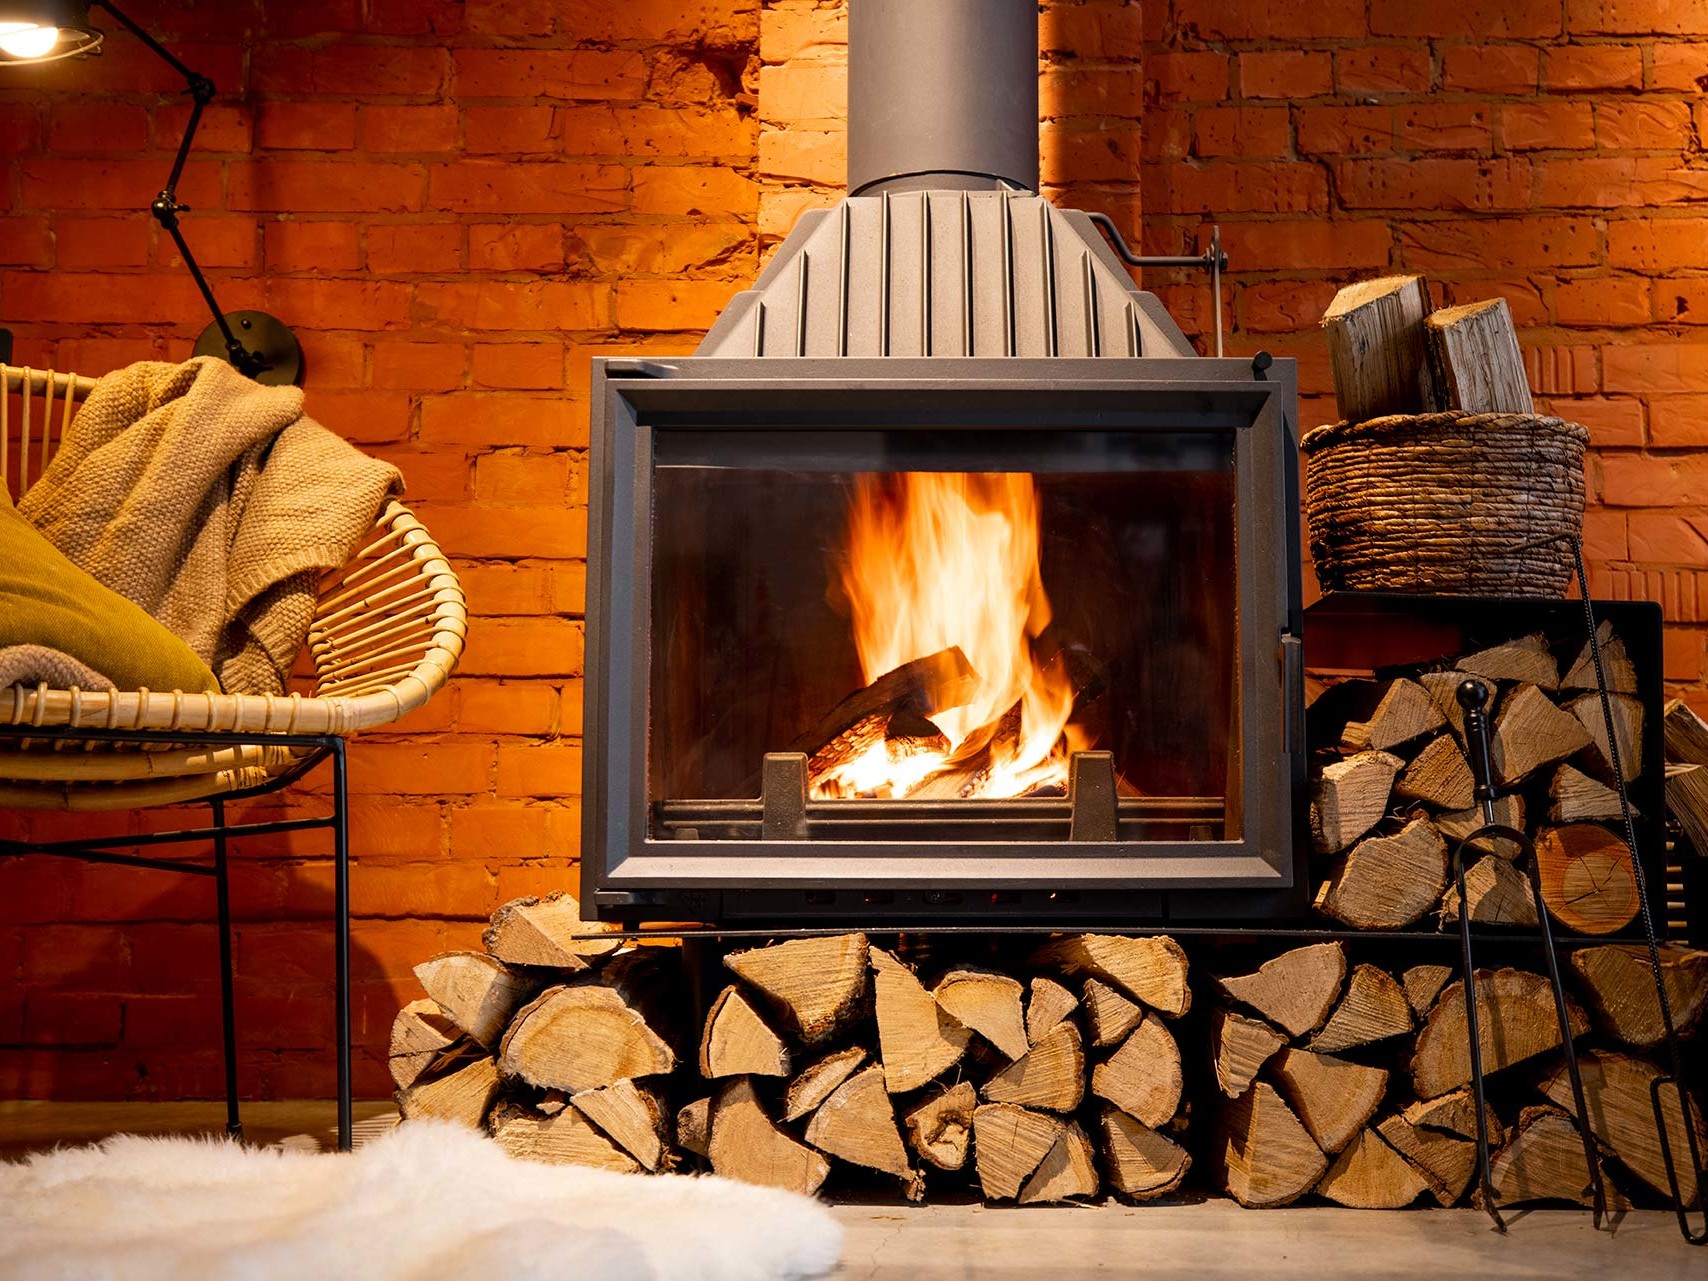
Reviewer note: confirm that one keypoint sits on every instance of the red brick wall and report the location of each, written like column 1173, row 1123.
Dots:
column 457, row 204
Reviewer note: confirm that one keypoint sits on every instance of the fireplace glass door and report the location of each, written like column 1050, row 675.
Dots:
column 926, row 633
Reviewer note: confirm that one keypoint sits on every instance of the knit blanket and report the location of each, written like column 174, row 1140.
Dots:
column 213, row 503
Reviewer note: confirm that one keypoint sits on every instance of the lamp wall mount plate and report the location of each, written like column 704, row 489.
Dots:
column 271, row 353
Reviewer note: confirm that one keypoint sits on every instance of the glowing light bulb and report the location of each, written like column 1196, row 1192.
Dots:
column 27, row 40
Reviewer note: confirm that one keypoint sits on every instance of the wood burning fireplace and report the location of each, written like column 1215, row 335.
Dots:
column 945, row 581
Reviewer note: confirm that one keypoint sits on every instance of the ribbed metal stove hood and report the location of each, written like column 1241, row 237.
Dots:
column 945, row 273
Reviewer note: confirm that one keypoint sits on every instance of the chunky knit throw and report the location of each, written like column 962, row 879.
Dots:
column 213, row 503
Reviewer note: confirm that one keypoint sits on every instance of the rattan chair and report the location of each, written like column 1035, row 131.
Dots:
column 387, row 632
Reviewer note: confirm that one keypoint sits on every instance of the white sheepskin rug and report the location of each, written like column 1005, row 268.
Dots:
column 428, row 1202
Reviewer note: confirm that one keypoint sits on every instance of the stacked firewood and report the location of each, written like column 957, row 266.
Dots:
column 1052, row 1085
column 1354, row 1082
column 561, row 1047
column 834, row 1049
column 1391, row 791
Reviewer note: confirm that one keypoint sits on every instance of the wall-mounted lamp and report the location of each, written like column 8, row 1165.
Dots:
column 255, row 343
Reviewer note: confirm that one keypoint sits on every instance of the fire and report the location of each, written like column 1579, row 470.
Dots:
column 937, row 560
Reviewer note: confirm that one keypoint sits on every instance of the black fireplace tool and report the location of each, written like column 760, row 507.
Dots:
column 1473, row 696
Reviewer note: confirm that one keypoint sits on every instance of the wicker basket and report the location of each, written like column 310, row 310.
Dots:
column 1453, row 504
column 387, row 632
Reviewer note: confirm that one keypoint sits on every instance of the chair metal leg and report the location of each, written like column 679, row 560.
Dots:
column 227, row 985
column 341, row 929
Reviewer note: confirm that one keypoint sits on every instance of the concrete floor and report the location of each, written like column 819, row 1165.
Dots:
column 1207, row 1241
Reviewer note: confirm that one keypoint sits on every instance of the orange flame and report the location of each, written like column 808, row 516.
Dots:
column 941, row 559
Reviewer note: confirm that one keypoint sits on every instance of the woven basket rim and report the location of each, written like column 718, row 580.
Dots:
column 1399, row 425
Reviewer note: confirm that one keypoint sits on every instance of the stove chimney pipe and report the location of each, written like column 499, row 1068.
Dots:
column 942, row 95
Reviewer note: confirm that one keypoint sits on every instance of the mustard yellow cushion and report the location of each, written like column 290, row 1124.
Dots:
column 47, row 600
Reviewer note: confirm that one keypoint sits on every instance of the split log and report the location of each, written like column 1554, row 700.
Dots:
column 1150, row 970
column 1530, row 732
column 1050, row 1076
column 1499, row 894
column 1687, row 801
column 1516, row 1021
column 1370, row 1175
column 694, row 1127
column 1445, row 1161
column 1068, row 1170
column 580, row 1037
column 1621, row 989
column 941, row 1128
column 421, row 1036
column 815, row 985
column 540, row 932
column 461, row 1091
column 631, row 1116
column 568, row 1138
column 1443, row 690
column 1263, row 1155
column 1588, row 882
column 1387, row 882
column 1373, row 1009
column 1143, row 1077
column 1109, row 1016
column 1405, row 712
column 1544, row 1161
column 1009, row 1143
column 1333, row 1098
column 918, row 1039
column 1527, row 660
column 1140, row 1162
column 1458, row 826
column 1621, row 1115
column 1378, row 349
column 1575, row 797
column 988, row 1003
column 737, row 1042
column 1439, row 775
column 1047, row 1004
column 476, row 993
column 819, row 1080
column 1627, row 727
column 746, row 1145
column 1455, row 1113
column 1349, row 798
column 925, row 685
column 858, row 1124
column 1240, row 1047
column 1423, row 983
column 1615, row 662
column 1478, row 367
column 1293, row 990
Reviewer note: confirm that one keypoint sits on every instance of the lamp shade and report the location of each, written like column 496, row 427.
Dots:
column 45, row 30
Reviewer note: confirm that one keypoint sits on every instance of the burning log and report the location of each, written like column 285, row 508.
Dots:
column 924, row 686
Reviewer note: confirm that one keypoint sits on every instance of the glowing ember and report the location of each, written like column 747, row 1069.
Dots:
column 938, row 560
